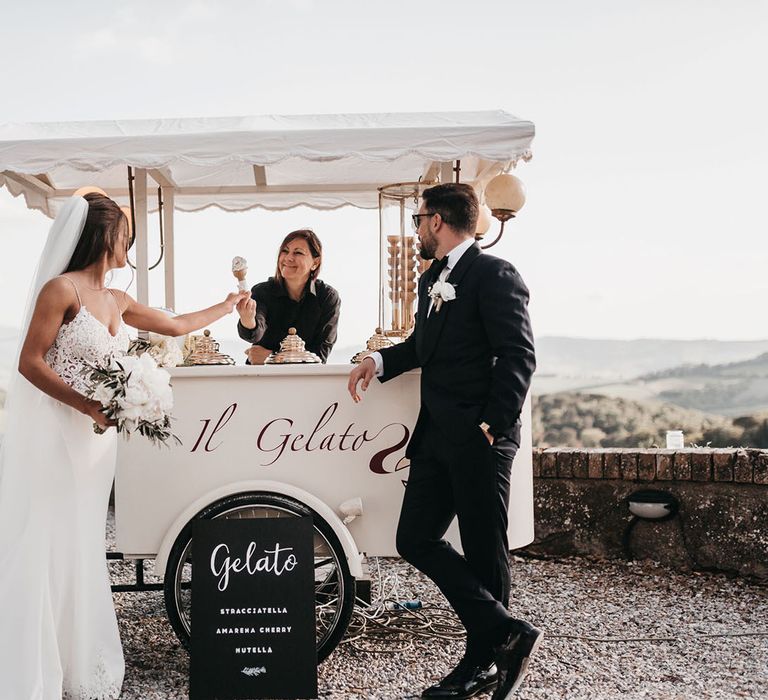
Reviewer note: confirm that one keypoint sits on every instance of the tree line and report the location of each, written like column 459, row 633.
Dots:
column 589, row 420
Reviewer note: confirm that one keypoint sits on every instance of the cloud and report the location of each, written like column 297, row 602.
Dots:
column 99, row 40
column 157, row 49
column 161, row 40
column 294, row 5
column 198, row 11
column 107, row 43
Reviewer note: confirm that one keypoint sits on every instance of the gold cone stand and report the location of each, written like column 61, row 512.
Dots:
column 376, row 342
column 204, row 350
column 292, row 352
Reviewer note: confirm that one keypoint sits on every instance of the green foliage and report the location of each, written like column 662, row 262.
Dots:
column 115, row 378
column 590, row 420
column 746, row 431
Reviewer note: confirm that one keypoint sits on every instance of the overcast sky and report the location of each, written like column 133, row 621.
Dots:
column 646, row 210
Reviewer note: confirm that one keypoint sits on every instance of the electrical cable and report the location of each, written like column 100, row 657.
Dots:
column 386, row 626
column 378, row 630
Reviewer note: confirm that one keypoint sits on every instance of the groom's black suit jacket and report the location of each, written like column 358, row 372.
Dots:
column 476, row 353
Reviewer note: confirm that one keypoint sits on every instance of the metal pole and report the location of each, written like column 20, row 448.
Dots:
column 142, row 236
column 382, row 255
column 403, row 278
column 168, row 219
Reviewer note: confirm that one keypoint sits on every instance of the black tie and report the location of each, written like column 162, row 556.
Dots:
column 439, row 266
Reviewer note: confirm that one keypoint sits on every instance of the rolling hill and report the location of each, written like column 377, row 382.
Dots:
column 728, row 389
column 599, row 361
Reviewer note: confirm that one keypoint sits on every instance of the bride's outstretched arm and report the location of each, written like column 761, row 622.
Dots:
column 53, row 302
column 147, row 319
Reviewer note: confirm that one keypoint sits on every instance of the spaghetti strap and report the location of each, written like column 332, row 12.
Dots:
column 77, row 292
column 119, row 308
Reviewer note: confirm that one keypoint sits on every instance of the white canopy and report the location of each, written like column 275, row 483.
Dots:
column 275, row 162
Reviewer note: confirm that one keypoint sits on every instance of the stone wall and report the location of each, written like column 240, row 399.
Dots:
column 581, row 506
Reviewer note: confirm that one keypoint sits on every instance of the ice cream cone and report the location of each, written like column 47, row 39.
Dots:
column 240, row 270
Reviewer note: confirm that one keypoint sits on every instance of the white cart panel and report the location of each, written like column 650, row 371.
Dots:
column 292, row 424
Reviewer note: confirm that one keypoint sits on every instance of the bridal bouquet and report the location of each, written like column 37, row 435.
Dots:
column 163, row 348
column 135, row 393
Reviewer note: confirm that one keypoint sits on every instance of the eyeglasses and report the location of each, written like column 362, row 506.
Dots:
column 415, row 218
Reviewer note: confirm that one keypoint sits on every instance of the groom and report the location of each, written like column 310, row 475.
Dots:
column 474, row 344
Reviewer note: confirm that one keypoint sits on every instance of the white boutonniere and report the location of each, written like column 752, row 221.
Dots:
column 440, row 292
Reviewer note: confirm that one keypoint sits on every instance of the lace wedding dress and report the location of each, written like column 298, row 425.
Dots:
column 58, row 630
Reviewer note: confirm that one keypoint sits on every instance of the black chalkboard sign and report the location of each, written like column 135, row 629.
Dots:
column 253, row 609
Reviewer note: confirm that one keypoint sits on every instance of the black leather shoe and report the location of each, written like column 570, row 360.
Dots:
column 465, row 681
column 512, row 657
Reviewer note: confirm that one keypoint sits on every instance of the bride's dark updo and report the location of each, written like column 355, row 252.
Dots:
column 103, row 225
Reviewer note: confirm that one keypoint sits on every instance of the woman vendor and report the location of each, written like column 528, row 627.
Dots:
column 293, row 298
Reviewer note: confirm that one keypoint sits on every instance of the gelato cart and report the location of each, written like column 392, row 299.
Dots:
column 279, row 440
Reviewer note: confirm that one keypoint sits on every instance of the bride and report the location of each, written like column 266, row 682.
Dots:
column 59, row 635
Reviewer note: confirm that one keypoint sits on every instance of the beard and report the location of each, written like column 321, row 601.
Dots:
column 427, row 247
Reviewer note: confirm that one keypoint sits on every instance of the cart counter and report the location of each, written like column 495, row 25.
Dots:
column 294, row 425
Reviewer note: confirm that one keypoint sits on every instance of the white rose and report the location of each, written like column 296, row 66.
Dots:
column 127, row 362
column 156, row 381
column 447, row 291
column 136, row 394
column 129, row 411
column 133, row 367
column 152, row 412
column 166, row 399
column 147, row 363
column 103, row 394
column 175, row 355
column 164, row 396
column 167, row 353
column 434, row 290
column 158, row 384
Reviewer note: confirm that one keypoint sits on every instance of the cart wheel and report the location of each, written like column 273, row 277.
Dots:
column 334, row 585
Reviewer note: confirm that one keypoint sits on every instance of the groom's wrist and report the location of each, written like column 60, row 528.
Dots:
column 378, row 362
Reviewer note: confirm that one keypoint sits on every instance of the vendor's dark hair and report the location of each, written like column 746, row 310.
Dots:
column 101, row 232
column 315, row 247
column 456, row 203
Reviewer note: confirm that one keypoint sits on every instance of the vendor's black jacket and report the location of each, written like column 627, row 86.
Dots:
column 315, row 317
column 476, row 354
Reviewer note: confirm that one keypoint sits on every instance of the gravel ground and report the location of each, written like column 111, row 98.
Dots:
column 614, row 630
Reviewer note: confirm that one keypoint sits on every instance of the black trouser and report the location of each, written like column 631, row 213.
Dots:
column 471, row 482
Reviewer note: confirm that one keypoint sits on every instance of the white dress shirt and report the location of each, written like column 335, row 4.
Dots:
column 453, row 258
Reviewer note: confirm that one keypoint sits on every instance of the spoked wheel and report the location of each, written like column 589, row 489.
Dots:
column 334, row 585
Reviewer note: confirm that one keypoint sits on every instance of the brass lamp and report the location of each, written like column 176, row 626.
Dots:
column 483, row 221
column 504, row 196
